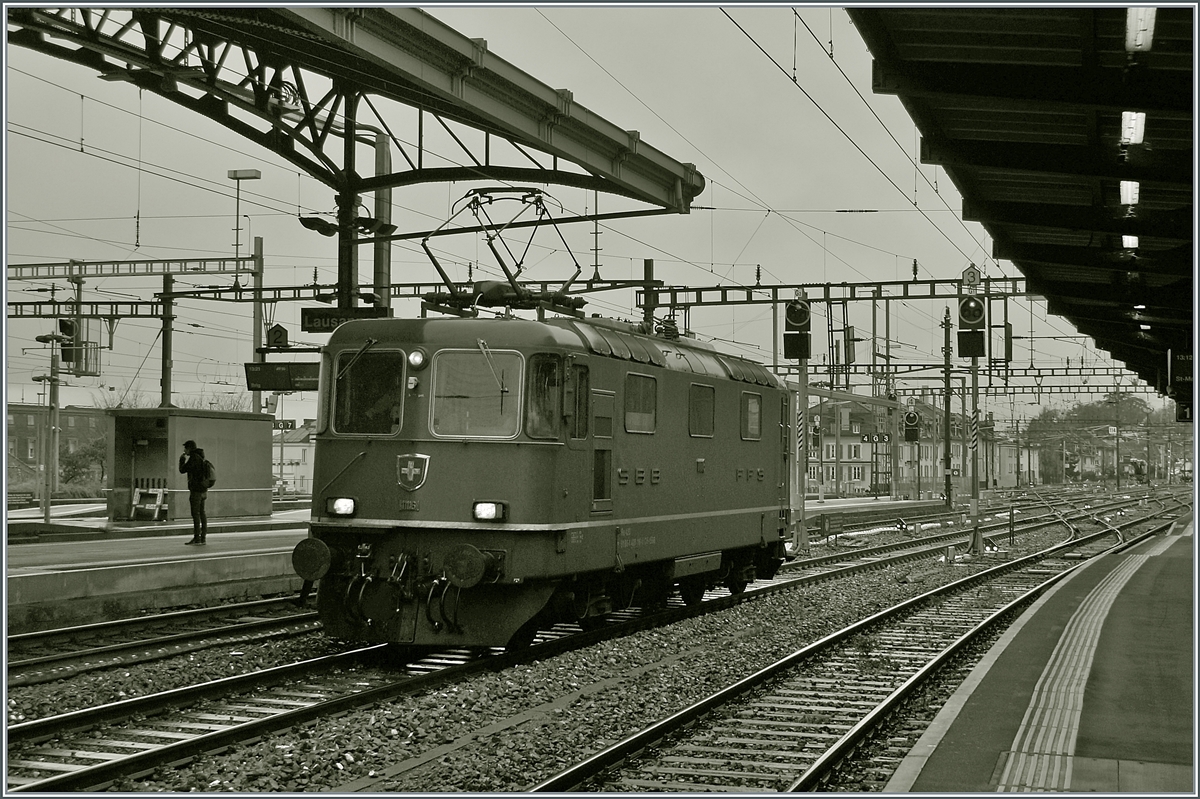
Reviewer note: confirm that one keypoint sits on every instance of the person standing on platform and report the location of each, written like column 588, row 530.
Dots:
column 192, row 463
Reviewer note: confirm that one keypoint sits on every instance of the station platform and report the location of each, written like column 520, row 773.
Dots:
column 83, row 568
column 1090, row 691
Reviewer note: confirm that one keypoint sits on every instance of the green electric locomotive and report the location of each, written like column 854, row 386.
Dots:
column 476, row 479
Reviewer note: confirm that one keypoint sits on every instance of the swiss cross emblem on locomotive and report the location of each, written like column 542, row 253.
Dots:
column 411, row 471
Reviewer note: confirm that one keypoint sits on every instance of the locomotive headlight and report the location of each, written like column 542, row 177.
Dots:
column 340, row 506
column 417, row 359
column 490, row 511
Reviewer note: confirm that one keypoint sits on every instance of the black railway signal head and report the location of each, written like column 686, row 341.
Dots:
column 798, row 316
column 69, row 331
column 912, row 426
column 971, row 312
column 796, row 340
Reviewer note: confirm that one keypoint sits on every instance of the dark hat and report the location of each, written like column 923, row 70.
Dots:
column 189, row 444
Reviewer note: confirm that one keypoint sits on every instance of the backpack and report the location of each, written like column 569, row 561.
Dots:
column 210, row 474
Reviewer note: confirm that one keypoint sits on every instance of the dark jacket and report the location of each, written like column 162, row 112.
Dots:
column 193, row 467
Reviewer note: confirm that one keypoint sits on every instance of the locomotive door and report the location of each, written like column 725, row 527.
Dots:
column 603, row 403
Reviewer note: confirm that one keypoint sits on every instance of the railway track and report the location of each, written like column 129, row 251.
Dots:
column 49, row 655
column 789, row 726
column 56, row 754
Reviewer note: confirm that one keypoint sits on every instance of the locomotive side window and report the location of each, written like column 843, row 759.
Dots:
column 751, row 416
column 476, row 393
column 601, row 477
column 368, row 398
column 579, row 422
column 701, row 410
column 641, row 403
column 545, row 396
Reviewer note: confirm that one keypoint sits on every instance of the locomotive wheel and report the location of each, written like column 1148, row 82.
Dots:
column 691, row 590
column 736, row 586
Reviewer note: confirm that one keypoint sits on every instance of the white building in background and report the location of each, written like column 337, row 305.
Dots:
column 292, row 458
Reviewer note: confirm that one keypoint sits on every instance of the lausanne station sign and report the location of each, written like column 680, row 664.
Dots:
column 326, row 320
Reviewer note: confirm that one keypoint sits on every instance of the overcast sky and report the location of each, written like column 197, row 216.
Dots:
column 99, row 171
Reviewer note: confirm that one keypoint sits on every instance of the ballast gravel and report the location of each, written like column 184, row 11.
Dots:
column 501, row 731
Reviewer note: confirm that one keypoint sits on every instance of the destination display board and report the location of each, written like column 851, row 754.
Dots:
column 290, row 376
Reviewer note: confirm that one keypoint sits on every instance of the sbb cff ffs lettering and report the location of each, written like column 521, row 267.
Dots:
column 796, row 338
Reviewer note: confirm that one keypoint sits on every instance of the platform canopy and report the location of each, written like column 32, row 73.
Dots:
column 1069, row 131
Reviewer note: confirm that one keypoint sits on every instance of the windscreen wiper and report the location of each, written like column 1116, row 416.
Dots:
column 487, row 354
column 366, row 346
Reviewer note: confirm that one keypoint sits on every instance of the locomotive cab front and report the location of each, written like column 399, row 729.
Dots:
column 435, row 479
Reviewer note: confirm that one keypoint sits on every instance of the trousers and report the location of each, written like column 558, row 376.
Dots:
column 199, row 517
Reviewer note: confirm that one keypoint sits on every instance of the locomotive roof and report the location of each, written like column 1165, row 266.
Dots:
column 605, row 337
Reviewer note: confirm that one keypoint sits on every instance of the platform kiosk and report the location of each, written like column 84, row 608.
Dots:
column 144, row 483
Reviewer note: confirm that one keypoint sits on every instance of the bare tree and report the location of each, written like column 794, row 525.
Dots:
column 121, row 398
column 216, row 401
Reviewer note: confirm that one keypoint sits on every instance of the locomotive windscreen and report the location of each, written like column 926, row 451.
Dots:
column 369, row 395
column 476, row 393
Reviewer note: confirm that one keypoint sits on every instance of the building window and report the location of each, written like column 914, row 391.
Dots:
column 751, row 416
column 641, row 403
column 32, row 453
column 814, row 472
column 29, row 420
column 12, row 447
column 11, row 420
column 856, row 473
column 856, row 451
column 702, row 405
column 72, row 444
column 856, row 427
column 70, row 421
column 92, row 422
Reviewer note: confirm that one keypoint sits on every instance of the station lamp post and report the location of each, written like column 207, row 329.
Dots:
column 50, row 461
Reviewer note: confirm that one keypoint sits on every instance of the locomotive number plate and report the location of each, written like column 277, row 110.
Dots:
column 410, row 504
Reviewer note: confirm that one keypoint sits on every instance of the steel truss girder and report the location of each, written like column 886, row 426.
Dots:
column 686, row 297
column 458, row 76
column 256, row 59
column 141, row 268
column 1012, row 372
column 96, row 310
column 1004, row 391
column 320, row 292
